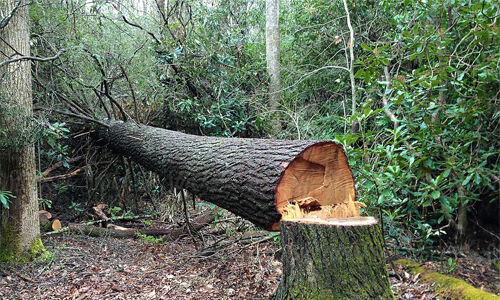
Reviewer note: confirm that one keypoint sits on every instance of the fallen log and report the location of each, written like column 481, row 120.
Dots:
column 124, row 232
column 260, row 180
column 446, row 286
column 124, row 218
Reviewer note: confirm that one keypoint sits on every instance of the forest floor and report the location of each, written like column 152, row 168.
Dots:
column 82, row 267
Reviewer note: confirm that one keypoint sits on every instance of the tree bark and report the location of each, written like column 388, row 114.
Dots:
column 273, row 57
column 19, row 230
column 333, row 259
column 256, row 179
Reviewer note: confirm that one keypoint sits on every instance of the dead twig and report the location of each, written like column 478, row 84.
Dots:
column 60, row 164
column 63, row 176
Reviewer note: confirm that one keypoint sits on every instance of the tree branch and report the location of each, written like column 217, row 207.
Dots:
column 141, row 28
column 387, row 111
column 60, row 164
column 63, row 176
column 33, row 58
column 6, row 20
column 82, row 117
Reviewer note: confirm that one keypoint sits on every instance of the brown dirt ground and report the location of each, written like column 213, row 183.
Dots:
column 82, row 267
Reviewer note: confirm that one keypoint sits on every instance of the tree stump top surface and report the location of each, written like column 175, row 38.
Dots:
column 352, row 221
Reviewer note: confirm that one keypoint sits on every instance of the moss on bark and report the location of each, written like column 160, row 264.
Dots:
column 9, row 247
column 446, row 286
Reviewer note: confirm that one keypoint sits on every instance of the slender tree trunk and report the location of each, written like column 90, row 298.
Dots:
column 273, row 57
column 350, row 45
column 19, row 230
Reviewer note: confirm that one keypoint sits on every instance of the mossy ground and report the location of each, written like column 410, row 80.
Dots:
column 446, row 285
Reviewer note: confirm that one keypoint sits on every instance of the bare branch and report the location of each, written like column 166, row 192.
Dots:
column 141, row 28
column 63, row 176
column 70, row 114
column 33, row 58
column 387, row 111
column 6, row 20
column 131, row 91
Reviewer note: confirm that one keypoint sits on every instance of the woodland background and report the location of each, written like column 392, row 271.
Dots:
column 415, row 104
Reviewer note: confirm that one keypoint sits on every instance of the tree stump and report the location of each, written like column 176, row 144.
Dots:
column 333, row 259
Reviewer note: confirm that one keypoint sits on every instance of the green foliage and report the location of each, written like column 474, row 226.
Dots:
column 452, row 264
column 442, row 86
column 115, row 210
column 5, row 198
column 45, row 203
column 221, row 81
column 76, row 207
column 434, row 64
column 443, row 94
column 54, row 135
column 149, row 238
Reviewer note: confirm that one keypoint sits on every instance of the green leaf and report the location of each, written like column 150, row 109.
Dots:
column 440, row 219
column 466, row 180
column 366, row 47
column 435, row 195
column 477, row 179
column 4, row 201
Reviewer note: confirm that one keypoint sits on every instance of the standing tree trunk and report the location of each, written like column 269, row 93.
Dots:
column 333, row 259
column 273, row 57
column 19, row 229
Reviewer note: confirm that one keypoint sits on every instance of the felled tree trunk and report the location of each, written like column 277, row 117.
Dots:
column 333, row 259
column 257, row 179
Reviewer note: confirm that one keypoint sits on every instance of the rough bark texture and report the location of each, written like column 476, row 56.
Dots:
column 19, row 231
column 240, row 175
column 325, row 261
column 273, row 56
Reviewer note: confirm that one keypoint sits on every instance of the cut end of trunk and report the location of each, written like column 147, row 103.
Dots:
column 317, row 185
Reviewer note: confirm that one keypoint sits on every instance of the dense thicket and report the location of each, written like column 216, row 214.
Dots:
column 422, row 136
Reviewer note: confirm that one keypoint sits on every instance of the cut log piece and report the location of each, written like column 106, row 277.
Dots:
column 44, row 217
column 333, row 259
column 257, row 179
